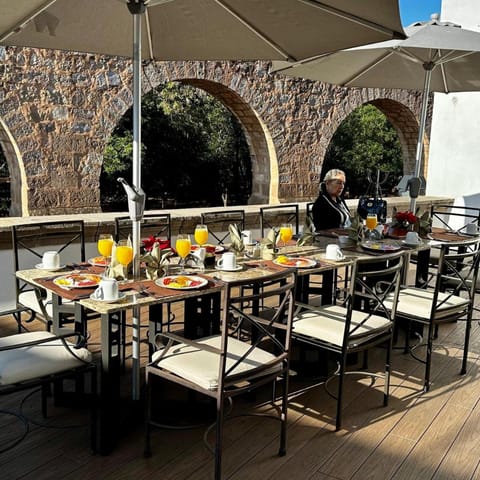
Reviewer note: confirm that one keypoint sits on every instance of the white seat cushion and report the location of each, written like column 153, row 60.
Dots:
column 25, row 363
column 417, row 302
column 29, row 300
column 328, row 324
column 202, row 367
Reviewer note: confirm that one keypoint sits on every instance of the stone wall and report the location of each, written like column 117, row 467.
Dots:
column 58, row 111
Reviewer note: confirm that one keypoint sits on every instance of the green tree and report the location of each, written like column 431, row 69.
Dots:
column 364, row 143
column 186, row 134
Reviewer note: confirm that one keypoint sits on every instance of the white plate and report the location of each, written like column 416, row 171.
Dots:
column 40, row 266
column 93, row 261
column 218, row 248
column 236, row 269
column 78, row 280
column 121, row 296
column 171, row 282
column 378, row 246
column 297, row 262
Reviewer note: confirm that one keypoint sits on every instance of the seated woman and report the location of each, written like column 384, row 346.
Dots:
column 330, row 209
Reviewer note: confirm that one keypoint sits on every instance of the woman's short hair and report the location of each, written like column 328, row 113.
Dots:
column 332, row 174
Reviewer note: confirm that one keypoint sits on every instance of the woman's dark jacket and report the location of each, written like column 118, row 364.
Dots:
column 327, row 212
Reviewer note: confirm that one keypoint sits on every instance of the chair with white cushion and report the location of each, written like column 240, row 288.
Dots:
column 451, row 297
column 228, row 364
column 38, row 359
column 360, row 323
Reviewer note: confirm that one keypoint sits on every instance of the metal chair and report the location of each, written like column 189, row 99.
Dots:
column 218, row 222
column 360, row 323
column 454, row 217
column 158, row 226
column 39, row 359
column 456, row 275
column 226, row 365
column 274, row 215
column 29, row 242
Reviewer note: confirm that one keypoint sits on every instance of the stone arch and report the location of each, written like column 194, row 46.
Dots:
column 18, row 181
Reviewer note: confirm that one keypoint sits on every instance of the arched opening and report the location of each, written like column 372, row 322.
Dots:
column 377, row 136
column 202, row 146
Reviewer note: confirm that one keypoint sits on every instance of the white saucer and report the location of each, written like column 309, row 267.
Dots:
column 40, row 266
column 408, row 244
column 121, row 296
column 236, row 269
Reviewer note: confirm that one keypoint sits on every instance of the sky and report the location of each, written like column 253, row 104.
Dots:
column 418, row 10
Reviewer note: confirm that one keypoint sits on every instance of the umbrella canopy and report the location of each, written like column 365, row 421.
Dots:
column 193, row 30
column 201, row 29
column 435, row 56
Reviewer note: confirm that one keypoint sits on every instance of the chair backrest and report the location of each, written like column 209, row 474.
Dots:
column 308, row 209
column 274, row 215
column 373, row 289
column 457, row 272
column 158, row 226
column 219, row 221
column 454, row 217
column 30, row 241
column 262, row 310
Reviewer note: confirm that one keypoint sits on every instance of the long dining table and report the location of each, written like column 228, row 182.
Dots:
column 201, row 308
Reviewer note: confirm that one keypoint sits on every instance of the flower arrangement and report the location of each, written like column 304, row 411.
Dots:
column 150, row 241
column 404, row 221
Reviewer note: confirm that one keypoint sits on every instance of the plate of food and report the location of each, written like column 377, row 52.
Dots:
column 380, row 246
column 99, row 261
column 210, row 249
column 181, row 282
column 298, row 262
column 78, row 280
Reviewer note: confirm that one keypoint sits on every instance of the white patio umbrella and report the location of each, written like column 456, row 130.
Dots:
column 435, row 56
column 194, row 30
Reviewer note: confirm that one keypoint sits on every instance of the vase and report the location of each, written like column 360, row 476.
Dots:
column 397, row 232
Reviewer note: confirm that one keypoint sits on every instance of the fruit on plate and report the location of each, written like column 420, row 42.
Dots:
column 78, row 280
column 100, row 261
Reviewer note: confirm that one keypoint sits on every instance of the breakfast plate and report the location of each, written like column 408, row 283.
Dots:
column 298, row 262
column 181, row 282
column 210, row 248
column 78, row 280
column 380, row 246
column 39, row 266
column 411, row 244
column 99, row 261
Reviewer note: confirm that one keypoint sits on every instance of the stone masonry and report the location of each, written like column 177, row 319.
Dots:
column 58, row 110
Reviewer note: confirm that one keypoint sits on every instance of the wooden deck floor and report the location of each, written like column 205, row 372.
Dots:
column 418, row 436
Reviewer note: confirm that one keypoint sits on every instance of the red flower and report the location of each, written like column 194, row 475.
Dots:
column 149, row 242
column 405, row 217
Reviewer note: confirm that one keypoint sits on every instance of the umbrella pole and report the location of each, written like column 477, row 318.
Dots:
column 421, row 132
column 137, row 181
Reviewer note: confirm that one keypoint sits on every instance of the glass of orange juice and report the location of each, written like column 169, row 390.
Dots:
column 104, row 245
column 183, row 245
column 371, row 221
column 201, row 234
column 286, row 233
column 124, row 252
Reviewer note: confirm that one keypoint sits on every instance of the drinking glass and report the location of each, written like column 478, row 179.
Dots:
column 104, row 245
column 371, row 221
column 286, row 233
column 201, row 234
column 183, row 245
column 124, row 252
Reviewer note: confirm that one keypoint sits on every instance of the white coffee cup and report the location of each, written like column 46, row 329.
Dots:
column 252, row 250
column 228, row 261
column 51, row 259
column 107, row 289
column 247, row 237
column 333, row 252
column 412, row 238
column 472, row 228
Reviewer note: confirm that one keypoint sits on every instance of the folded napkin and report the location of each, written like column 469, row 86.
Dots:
column 355, row 231
column 269, row 244
column 156, row 261
column 308, row 235
column 236, row 239
column 115, row 269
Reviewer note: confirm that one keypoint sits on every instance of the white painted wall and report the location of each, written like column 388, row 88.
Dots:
column 454, row 161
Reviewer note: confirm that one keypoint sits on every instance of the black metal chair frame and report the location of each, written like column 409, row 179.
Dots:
column 158, row 225
column 372, row 281
column 242, row 306
column 219, row 221
column 274, row 215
